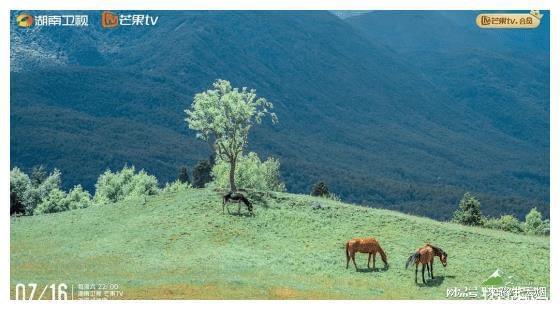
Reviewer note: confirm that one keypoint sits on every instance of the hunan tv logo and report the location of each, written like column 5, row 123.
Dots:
column 24, row 20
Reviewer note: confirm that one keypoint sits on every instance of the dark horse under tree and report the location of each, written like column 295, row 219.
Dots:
column 425, row 255
column 238, row 198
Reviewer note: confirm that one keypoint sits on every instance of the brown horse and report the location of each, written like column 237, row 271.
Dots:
column 364, row 245
column 425, row 255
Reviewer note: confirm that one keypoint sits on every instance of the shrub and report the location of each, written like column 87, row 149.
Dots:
column 184, row 175
column 469, row 211
column 27, row 194
column 19, row 187
column 510, row 223
column 124, row 184
column 175, row 187
column 534, row 223
column 38, row 175
column 55, row 201
column 320, row 189
column 544, row 229
column 251, row 172
column 78, row 198
column 202, row 174
column 41, row 193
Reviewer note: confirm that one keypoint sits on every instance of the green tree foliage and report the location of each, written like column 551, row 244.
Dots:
column 184, row 175
column 175, row 187
column 544, row 229
column 124, row 184
column 534, row 223
column 28, row 193
column 320, row 189
column 251, row 173
column 38, row 175
column 469, row 211
column 505, row 222
column 55, row 201
column 78, row 198
column 19, row 187
column 223, row 116
column 202, row 174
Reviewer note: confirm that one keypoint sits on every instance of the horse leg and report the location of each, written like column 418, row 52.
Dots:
column 428, row 269
column 423, row 269
column 432, row 268
column 373, row 260
column 250, row 209
column 354, row 260
column 368, row 259
column 416, row 274
column 239, row 208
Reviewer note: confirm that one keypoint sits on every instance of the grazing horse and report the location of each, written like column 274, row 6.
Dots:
column 364, row 245
column 425, row 255
column 237, row 198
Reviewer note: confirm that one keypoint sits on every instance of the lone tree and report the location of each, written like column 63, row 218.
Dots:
column 201, row 173
column 184, row 175
column 223, row 116
column 469, row 211
column 320, row 189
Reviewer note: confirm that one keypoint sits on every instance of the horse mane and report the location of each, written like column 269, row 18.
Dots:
column 438, row 250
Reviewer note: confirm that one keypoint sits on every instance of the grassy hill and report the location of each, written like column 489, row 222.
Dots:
column 181, row 246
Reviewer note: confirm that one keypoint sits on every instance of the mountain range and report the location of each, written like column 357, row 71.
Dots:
column 400, row 110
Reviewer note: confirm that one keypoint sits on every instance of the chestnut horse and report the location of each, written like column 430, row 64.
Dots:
column 425, row 255
column 364, row 245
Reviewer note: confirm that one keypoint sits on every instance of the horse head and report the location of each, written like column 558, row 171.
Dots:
column 248, row 203
column 439, row 252
column 443, row 258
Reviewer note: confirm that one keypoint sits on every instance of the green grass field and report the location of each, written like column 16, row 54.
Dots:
column 181, row 246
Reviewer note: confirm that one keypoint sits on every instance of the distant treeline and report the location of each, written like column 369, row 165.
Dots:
column 40, row 192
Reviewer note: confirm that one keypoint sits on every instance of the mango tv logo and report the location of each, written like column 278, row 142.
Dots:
column 109, row 19
column 24, row 20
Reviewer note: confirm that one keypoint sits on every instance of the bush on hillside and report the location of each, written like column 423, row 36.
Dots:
column 320, row 189
column 38, row 175
column 469, row 211
column 251, row 173
column 27, row 193
column 19, row 186
column 534, row 223
column 175, row 187
column 78, row 198
column 544, row 228
column 54, row 202
column 124, row 184
column 184, row 175
column 202, row 174
column 505, row 222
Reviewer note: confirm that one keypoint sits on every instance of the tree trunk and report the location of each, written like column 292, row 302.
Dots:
column 232, row 176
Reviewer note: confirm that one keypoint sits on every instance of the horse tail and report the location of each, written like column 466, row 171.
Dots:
column 383, row 256
column 413, row 258
column 347, row 254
